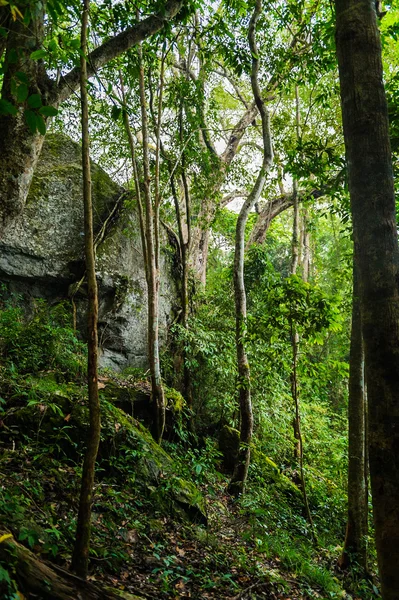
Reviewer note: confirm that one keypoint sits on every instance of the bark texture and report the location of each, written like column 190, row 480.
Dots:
column 240, row 472
column 365, row 121
column 80, row 559
column 19, row 147
column 50, row 582
column 152, row 269
column 355, row 547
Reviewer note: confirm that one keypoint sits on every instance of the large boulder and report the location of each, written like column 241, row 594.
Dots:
column 41, row 253
column 128, row 455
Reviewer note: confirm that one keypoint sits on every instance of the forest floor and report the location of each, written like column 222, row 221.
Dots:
column 179, row 560
column 161, row 557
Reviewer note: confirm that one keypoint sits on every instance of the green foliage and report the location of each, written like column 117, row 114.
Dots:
column 8, row 587
column 43, row 340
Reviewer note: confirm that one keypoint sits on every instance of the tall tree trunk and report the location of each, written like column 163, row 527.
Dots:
column 296, row 253
column 296, row 250
column 80, row 557
column 366, row 132
column 240, row 472
column 184, row 245
column 152, row 242
column 19, row 146
column 305, row 245
column 297, row 241
column 355, row 547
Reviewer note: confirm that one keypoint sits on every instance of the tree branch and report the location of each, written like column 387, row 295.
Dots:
column 116, row 46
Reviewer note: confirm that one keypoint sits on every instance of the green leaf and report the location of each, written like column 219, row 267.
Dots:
column 12, row 57
column 48, row 111
column 21, row 76
column 41, row 125
column 6, row 108
column 75, row 44
column 38, row 54
column 22, row 92
column 35, row 101
column 116, row 112
column 31, row 120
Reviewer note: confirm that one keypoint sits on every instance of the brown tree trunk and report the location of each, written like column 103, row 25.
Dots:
column 296, row 252
column 240, row 472
column 184, row 245
column 355, row 547
column 80, row 557
column 152, row 248
column 366, row 132
column 19, row 147
column 295, row 337
column 297, row 241
column 305, row 246
column 50, row 582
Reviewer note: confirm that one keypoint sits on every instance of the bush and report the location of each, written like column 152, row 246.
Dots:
column 44, row 340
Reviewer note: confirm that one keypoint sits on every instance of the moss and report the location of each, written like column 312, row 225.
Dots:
column 128, row 453
column 229, row 443
column 174, row 400
column 104, row 189
column 273, row 475
column 182, row 498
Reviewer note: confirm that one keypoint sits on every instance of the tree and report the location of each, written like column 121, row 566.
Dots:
column 355, row 547
column 366, row 132
column 29, row 95
column 244, row 383
column 149, row 230
column 80, row 557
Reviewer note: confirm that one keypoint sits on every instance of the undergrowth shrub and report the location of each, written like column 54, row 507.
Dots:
column 42, row 340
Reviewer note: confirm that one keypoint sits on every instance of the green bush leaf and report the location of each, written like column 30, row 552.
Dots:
column 31, row 120
column 22, row 92
column 35, row 101
column 48, row 111
column 6, row 108
column 21, row 76
column 116, row 112
column 38, row 54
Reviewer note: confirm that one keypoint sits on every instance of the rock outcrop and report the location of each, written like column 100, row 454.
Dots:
column 41, row 254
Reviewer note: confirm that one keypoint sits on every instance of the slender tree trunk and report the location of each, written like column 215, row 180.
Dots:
column 80, row 557
column 305, row 245
column 184, row 245
column 295, row 337
column 355, row 547
column 240, row 472
column 150, row 245
column 366, row 132
column 296, row 252
column 297, row 241
column 151, row 229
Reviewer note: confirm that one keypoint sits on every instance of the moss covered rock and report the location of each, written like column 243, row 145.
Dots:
column 128, row 454
column 229, row 443
column 36, row 264
column 271, row 474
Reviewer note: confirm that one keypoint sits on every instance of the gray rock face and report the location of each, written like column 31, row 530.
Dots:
column 41, row 254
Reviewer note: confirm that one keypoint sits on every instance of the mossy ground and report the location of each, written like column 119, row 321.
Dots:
column 162, row 524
